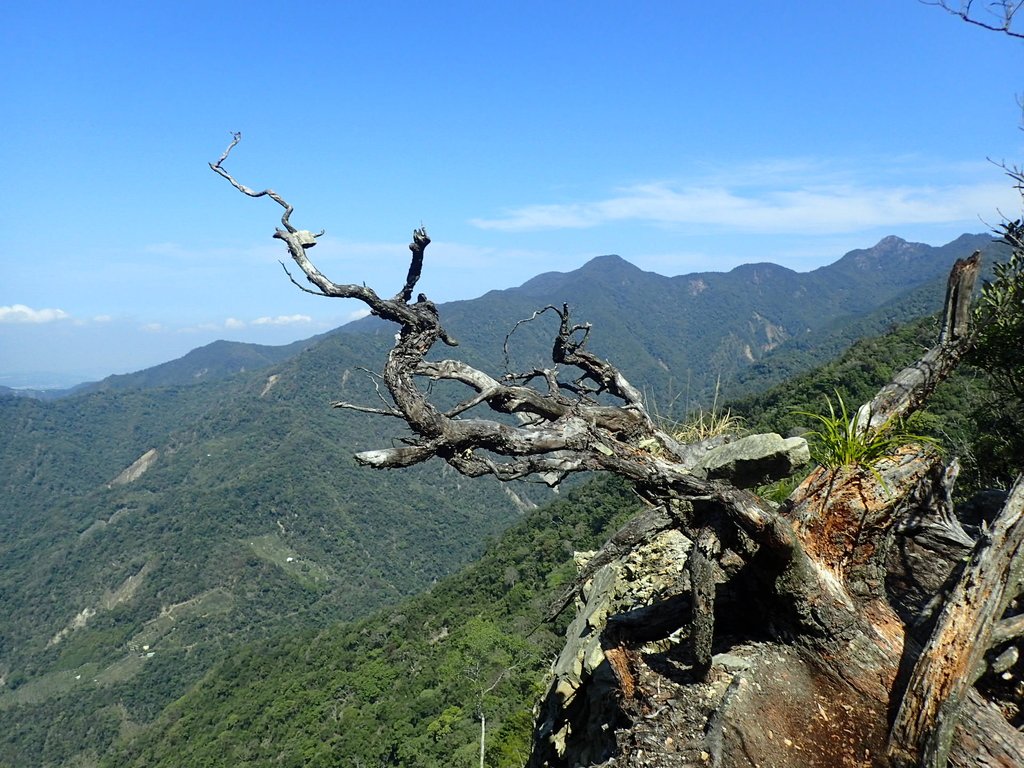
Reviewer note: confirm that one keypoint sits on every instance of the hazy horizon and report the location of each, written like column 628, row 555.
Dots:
column 63, row 379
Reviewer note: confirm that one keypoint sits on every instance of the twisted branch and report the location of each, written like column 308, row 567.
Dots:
column 1002, row 13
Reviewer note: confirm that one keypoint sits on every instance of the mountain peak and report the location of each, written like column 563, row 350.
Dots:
column 599, row 268
column 890, row 241
column 610, row 265
column 608, row 260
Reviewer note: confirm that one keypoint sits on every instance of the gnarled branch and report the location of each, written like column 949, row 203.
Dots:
column 563, row 430
column 1001, row 14
column 815, row 559
column 299, row 240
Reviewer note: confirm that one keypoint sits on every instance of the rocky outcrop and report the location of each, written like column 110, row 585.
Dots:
column 137, row 469
column 627, row 689
column 577, row 723
column 756, row 459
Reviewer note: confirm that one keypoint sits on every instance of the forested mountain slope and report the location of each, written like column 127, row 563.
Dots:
column 407, row 685
column 404, row 686
column 685, row 333
column 244, row 514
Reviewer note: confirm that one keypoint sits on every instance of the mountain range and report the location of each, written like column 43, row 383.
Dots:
column 151, row 523
column 641, row 317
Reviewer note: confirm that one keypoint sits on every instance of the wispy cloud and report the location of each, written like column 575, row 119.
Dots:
column 19, row 313
column 792, row 197
column 283, row 320
column 234, row 323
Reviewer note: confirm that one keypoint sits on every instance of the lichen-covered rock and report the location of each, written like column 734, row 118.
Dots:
column 756, row 459
column 576, row 725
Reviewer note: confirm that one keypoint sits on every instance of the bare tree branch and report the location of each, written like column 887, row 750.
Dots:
column 365, row 409
column 419, row 244
column 299, row 240
column 296, row 283
column 235, row 138
column 1007, row 630
column 817, row 560
column 1001, row 14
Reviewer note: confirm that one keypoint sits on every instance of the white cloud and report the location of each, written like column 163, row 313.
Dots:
column 102, row 319
column 359, row 314
column 152, row 327
column 234, row 323
column 19, row 313
column 283, row 320
column 792, row 197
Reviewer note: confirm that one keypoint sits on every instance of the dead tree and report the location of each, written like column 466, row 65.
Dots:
column 871, row 647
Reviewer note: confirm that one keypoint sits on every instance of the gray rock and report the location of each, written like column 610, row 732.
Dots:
column 731, row 662
column 756, row 460
column 574, row 718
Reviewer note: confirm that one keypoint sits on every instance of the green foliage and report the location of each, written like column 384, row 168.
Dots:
column 999, row 318
column 841, row 440
column 855, row 375
column 407, row 685
column 955, row 416
column 780, row 490
column 998, row 451
column 237, row 554
column 192, row 558
column 819, row 346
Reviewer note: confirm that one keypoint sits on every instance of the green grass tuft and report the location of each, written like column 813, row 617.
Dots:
column 841, row 440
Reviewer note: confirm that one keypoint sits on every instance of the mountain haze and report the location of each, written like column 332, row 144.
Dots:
column 210, row 362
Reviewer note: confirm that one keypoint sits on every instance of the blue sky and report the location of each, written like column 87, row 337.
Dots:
column 525, row 136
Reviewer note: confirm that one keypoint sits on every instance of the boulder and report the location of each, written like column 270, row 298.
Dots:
column 755, row 460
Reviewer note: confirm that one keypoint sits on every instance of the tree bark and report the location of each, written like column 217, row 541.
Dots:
column 912, row 386
column 954, row 656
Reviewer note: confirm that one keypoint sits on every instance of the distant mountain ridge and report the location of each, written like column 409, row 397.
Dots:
column 213, row 361
column 699, row 328
column 210, row 362
column 767, row 305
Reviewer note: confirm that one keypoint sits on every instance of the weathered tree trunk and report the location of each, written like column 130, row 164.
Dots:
column 841, row 629
column 810, row 653
column 954, row 656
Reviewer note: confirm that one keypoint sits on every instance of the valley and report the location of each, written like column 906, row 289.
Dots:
column 162, row 527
